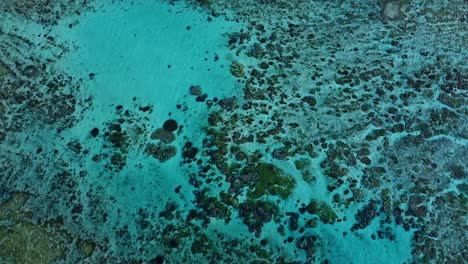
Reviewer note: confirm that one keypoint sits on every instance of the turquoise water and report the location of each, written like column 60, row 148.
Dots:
column 233, row 131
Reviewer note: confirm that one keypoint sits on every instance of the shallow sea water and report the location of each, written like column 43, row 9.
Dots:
column 214, row 131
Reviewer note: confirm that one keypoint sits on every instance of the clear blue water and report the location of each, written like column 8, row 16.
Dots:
column 233, row 131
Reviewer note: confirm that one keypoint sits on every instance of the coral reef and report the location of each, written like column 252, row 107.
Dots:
column 346, row 123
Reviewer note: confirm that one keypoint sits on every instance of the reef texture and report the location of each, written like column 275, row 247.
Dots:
column 374, row 94
column 367, row 98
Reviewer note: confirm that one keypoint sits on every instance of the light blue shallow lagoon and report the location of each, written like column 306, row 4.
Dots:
column 240, row 131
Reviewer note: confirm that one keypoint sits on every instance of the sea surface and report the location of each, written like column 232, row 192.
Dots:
column 215, row 131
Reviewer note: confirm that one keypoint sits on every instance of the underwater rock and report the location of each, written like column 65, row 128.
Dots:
column 157, row 260
column 227, row 103
column 189, row 152
column 117, row 136
column 255, row 213
column 416, row 208
column 336, row 171
column 195, row 90
column 454, row 102
column 256, row 51
column 94, row 132
column 365, row 216
column 303, row 165
column 237, row 70
column 458, row 172
column 323, row 210
column 240, row 139
column 170, row 125
column 201, row 98
column 205, row 3
column 211, row 206
column 75, row 146
column 307, row 243
column 118, row 160
column 2, row 108
column 264, row 65
column 293, row 220
column 164, row 135
column 310, row 100
column 161, row 152
column 280, row 153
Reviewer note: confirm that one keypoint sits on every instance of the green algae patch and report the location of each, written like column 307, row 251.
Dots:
column 86, row 247
column 323, row 210
column 272, row 181
column 25, row 242
column 11, row 209
column 229, row 200
column 302, row 164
